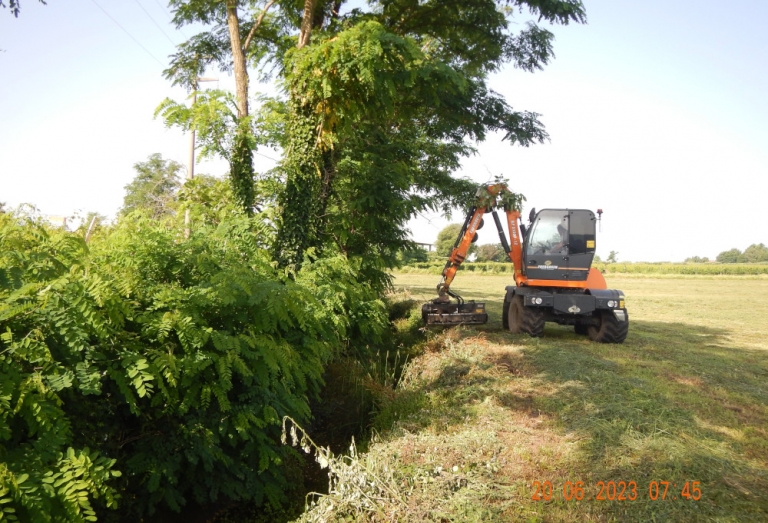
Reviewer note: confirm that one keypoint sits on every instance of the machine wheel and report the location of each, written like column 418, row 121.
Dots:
column 522, row 319
column 583, row 330
column 505, row 314
column 610, row 330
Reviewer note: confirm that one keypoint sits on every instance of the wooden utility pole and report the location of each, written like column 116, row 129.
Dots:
column 90, row 228
column 191, row 165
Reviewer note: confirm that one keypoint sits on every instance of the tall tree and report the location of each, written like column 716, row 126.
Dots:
column 446, row 239
column 229, row 49
column 378, row 106
column 755, row 253
column 731, row 256
column 154, row 187
column 491, row 252
column 393, row 96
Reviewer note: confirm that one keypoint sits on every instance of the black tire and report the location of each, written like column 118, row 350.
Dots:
column 505, row 314
column 610, row 329
column 580, row 329
column 522, row 319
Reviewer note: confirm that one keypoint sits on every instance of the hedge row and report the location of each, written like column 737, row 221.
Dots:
column 713, row 269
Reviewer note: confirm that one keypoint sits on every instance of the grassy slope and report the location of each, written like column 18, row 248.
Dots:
column 482, row 414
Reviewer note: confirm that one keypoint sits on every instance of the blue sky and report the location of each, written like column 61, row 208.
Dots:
column 656, row 110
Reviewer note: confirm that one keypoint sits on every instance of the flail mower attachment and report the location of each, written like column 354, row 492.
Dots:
column 441, row 311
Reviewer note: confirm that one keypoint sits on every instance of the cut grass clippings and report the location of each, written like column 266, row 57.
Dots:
column 482, row 415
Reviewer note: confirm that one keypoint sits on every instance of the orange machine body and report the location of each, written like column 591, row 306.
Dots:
column 554, row 280
column 458, row 255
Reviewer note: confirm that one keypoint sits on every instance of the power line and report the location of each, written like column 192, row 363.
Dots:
column 171, row 18
column 163, row 8
column 156, row 24
column 129, row 34
column 265, row 156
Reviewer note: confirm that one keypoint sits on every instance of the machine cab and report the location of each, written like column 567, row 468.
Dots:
column 559, row 245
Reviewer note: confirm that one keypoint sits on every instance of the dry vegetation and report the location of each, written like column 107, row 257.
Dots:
column 482, row 414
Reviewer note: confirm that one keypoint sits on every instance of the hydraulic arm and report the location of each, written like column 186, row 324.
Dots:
column 554, row 280
column 488, row 198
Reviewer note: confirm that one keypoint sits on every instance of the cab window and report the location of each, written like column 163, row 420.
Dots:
column 581, row 232
column 549, row 234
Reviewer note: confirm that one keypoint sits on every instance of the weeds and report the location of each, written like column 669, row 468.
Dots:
column 390, row 483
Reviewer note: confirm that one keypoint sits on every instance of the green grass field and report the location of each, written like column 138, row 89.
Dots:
column 483, row 416
column 735, row 306
column 621, row 268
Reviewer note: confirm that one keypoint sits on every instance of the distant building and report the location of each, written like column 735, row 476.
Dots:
column 426, row 246
column 57, row 221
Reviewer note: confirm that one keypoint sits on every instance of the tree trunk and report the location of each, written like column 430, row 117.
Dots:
column 309, row 174
column 241, row 161
column 238, row 58
column 306, row 23
column 299, row 226
column 329, row 172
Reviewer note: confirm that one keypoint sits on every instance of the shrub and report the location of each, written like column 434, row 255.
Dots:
column 412, row 255
column 170, row 361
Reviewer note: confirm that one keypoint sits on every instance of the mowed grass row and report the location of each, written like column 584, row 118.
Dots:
column 684, row 399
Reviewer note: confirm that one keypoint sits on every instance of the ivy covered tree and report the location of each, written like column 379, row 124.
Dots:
column 387, row 103
column 378, row 105
column 234, row 38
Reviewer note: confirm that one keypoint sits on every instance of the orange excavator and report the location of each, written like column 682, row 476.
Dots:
column 553, row 273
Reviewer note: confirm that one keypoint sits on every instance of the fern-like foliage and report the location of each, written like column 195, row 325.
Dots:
column 169, row 361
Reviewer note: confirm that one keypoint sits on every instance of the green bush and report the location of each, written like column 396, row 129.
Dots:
column 169, row 361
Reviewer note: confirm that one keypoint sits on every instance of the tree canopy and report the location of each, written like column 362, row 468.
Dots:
column 755, row 253
column 491, row 252
column 446, row 239
column 377, row 106
column 154, row 187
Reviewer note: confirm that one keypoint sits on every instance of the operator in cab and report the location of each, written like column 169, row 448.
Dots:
column 562, row 246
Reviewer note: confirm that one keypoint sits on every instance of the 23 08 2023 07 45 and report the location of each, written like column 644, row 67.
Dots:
column 618, row 491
